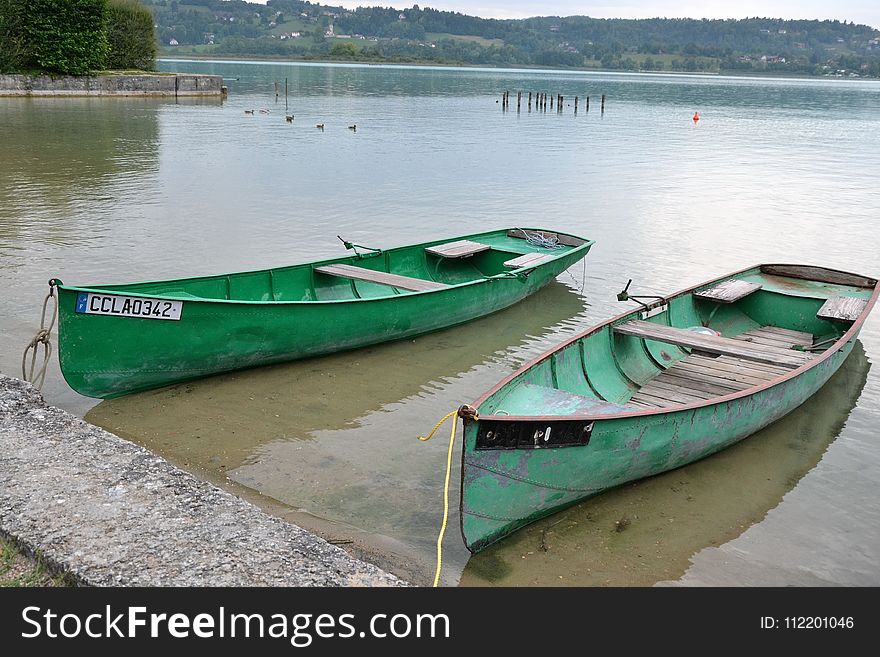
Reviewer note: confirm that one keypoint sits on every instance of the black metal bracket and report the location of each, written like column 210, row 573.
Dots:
column 624, row 295
column 533, row 434
column 351, row 246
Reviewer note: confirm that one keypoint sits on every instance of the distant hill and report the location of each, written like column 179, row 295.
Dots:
column 303, row 30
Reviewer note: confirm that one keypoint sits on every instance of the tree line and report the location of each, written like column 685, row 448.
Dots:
column 424, row 34
column 75, row 37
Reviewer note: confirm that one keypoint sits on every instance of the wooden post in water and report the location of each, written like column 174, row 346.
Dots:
column 587, row 104
column 276, row 90
column 530, row 101
column 560, row 102
column 518, row 100
column 575, row 104
column 603, row 103
column 285, row 94
column 551, row 101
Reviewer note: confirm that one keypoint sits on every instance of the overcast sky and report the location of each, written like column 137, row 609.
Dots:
column 860, row 11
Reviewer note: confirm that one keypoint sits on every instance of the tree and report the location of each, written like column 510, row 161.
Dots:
column 131, row 36
column 344, row 50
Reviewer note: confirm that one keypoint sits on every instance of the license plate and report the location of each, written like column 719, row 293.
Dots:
column 91, row 303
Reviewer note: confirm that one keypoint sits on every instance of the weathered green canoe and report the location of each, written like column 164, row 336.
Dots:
column 653, row 389
column 117, row 339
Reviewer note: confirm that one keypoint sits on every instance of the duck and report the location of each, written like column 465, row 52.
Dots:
column 264, row 111
column 353, row 127
column 320, row 126
column 289, row 118
column 249, row 111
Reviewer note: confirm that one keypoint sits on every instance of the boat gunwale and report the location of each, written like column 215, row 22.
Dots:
column 813, row 362
column 587, row 244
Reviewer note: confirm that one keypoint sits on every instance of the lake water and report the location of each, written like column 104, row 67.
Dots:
column 116, row 190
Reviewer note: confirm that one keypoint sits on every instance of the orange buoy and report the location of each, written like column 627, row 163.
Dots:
column 696, row 116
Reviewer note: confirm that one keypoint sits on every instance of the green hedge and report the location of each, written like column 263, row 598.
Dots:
column 66, row 36
column 75, row 37
column 14, row 54
column 131, row 36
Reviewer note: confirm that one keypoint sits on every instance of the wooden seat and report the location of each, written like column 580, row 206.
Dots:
column 384, row 278
column 459, row 249
column 712, row 344
column 842, row 309
column 728, row 291
column 528, row 260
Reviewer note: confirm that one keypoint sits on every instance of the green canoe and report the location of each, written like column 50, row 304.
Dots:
column 118, row 339
column 671, row 382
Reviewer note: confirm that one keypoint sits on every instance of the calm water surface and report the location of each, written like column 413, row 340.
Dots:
column 114, row 190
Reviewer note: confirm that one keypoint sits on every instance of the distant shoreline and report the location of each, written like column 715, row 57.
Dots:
column 232, row 59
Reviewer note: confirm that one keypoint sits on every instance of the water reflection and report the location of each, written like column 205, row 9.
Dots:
column 60, row 162
column 646, row 531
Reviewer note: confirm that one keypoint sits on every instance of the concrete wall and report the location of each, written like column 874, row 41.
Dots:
column 110, row 513
column 111, row 85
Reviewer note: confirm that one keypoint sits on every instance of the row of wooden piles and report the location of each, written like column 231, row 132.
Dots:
column 541, row 101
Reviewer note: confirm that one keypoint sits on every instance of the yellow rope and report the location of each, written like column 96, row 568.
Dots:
column 454, row 416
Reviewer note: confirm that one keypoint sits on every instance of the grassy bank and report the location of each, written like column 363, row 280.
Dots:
column 17, row 568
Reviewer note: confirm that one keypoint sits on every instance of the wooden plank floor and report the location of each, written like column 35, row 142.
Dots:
column 699, row 377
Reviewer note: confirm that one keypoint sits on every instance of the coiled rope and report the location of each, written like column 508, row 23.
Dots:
column 464, row 411
column 43, row 337
column 539, row 239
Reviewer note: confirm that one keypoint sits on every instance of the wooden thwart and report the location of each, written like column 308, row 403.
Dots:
column 712, row 344
column 528, row 260
column 728, row 291
column 842, row 309
column 459, row 249
column 381, row 277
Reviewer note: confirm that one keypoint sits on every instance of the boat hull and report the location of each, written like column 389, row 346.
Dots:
column 653, row 389
column 504, row 490
column 107, row 356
